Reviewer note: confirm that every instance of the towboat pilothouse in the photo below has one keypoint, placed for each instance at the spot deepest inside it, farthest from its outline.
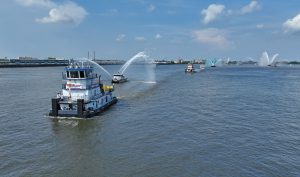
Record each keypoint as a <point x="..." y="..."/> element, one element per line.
<point x="118" y="78"/>
<point x="83" y="94"/>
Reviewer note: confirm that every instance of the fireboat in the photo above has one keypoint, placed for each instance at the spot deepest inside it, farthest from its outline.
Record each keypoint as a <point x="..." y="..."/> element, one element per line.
<point x="83" y="95"/>
<point x="119" y="78"/>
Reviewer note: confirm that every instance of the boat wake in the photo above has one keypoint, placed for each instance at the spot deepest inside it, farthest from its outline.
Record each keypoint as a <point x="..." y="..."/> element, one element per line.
<point x="121" y="97"/>
<point x="147" y="82"/>
<point x="61" y="118"/>
<point x="134" y="89"/>
<point x="71" y="123"/>
<point x="199" y="70"/>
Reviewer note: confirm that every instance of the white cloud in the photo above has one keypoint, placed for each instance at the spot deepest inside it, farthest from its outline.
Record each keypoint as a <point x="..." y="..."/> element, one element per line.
<point x="212" y="36"/>
<point x="69" y="12"/>
<point x="140" y="38"/>
<point x="121" y="37"/>
<point x="151" y="8"/>
<point x="260" y="26"/>
<point x="250" y="7"/>
<point x="292" y="25"/>
<point x="212" y="12"/>
<point x="43" y="3"/>
<point x="229" y="12"/>
<point x="158" y="36"/>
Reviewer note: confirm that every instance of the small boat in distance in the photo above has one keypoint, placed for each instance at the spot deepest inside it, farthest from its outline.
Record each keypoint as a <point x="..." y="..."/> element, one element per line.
<point x="272" y="65"/>
<point x="118" y="78"/>
<point x="83" y="94"/>
<point x="201" y="67"/>
<point x="190" y="68"/>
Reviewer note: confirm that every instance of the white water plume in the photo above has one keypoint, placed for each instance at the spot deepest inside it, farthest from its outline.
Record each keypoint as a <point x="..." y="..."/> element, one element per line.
<point x="228" y="60"/>
<point x="265" y="60"/>
<point x="150" y="67"/>
<point x="142" y="77"/>
<point x="213" y="62"/>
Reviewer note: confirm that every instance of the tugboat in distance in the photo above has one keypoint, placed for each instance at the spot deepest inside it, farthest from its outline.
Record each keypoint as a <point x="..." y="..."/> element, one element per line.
<point x="202" y="68"/>
<point x="272" y="65"/>
<point x="118" y="78"/>
<point x="83" y="94"/>
<point x="190" y="68"/>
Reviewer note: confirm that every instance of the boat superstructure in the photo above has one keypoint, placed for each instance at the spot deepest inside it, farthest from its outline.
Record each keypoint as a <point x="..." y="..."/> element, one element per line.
<point x="190" y="68"/>
<point x="118" y="78"/>
<point x="83" y="94"/>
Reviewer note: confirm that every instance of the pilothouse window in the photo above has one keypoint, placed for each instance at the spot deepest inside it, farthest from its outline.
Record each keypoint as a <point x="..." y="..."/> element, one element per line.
<point x="68" y="74"/>
<point x="81" y="74"/>
<point x="74" y="74"/>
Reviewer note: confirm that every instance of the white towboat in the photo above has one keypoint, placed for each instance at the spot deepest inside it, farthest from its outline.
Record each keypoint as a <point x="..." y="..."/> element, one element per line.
<point x="190" y="68"/>
<point x="83" y="95"/>
<point x="118" y="78"/>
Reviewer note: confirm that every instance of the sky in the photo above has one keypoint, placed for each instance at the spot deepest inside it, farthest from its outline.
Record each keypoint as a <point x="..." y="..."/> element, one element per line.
<point x="164" y="29"/>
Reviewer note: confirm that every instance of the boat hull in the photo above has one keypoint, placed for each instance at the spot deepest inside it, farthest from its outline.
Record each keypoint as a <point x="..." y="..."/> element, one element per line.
<point x="119" y="81"/>
<point x="79" y="113"/>
<point x="190" y="71"/>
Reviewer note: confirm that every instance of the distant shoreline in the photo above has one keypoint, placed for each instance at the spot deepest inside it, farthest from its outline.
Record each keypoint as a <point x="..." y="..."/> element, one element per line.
<point x="11" y="65"/>
<point x="18" y="63"/>
<point x="29" y="65"/>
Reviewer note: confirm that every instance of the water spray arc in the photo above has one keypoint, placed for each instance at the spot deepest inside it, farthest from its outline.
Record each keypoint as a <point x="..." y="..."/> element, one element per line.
<point x="137" y="56"/>
<point x="265" y="60"/>
<point x="97" y="65"/>
<point x="212" y="62"/>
